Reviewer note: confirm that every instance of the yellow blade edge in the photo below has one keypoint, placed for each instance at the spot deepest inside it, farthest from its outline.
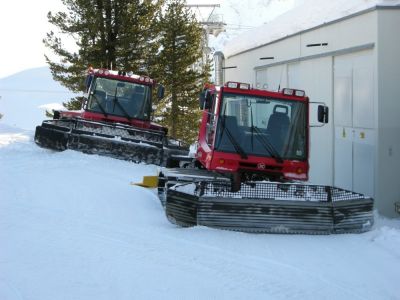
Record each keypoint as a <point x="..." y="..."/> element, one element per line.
<point x="148" y="182"/>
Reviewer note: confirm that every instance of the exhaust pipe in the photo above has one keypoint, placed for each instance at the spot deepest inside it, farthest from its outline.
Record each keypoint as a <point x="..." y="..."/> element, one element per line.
<point x="219" y="61"/>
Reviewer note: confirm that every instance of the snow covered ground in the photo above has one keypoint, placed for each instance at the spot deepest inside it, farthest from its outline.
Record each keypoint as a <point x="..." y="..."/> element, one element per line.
<point x="72" y="227"/>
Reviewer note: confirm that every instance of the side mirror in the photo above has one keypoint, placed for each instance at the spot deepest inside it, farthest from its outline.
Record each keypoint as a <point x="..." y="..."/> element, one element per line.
<point x="56" y="114"/>
<point x="323" y="114"/>
<point x="160" y="92"/>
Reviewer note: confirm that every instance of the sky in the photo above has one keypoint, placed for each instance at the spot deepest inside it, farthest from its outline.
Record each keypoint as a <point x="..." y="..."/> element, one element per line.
<point x="23" y="25"/>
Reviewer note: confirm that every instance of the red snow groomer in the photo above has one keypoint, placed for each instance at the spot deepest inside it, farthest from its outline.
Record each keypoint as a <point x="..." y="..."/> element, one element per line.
<point x="252" y="151"/>
<point x="115" y="120"/>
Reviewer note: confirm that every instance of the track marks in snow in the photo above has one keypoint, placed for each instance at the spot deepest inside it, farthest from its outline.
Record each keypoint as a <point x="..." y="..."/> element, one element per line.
<point x="8" y="291"/>
<point x="268" y="276"/>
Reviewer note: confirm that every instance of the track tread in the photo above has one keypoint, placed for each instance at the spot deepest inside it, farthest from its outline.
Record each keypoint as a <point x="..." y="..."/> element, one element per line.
<point x="258" y="215"/>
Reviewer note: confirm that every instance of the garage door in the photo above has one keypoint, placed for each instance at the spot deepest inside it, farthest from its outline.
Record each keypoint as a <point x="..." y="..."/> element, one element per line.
<point x="355" y="136"/>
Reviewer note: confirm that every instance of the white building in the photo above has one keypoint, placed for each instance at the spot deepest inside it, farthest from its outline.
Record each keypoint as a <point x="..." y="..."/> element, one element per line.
<point x="346" y="54"/>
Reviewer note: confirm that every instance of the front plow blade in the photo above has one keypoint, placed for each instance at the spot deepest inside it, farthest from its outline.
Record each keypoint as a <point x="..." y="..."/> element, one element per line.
<point x="270" y="208"/>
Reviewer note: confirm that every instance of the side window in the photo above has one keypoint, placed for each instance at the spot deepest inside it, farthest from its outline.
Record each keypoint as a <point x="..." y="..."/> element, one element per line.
<point x="211" y="121"/>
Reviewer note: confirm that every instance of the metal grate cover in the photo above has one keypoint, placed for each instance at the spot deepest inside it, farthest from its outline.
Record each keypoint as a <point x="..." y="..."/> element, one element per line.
<point x="268" y="207"/>
<point x="277" y="191"/>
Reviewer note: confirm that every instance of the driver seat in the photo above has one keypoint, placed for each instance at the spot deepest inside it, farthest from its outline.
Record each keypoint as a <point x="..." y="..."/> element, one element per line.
<point x="278" y="126"/>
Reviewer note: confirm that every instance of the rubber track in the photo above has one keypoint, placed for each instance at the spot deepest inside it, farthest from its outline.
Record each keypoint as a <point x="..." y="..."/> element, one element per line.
<point x="270" y="216"/>
<point x="121" y="142"/>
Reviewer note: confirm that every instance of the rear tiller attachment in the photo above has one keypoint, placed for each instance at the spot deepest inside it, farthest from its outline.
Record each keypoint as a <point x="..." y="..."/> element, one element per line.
<point x="268" y="207"/>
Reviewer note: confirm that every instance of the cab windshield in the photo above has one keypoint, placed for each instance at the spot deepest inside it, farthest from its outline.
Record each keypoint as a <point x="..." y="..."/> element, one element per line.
<point x="124" y="99"/>
<point x="252" y="125"/>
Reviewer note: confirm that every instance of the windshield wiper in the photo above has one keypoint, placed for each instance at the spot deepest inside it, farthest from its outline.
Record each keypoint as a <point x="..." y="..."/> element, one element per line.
<point x="103" y="110"/>
<point x="116" y="101"/>
<point x="235" y="144"/>
<point x="264" y="141"/>
<point x="267" y="144"/>
<point x="239" y="150"/>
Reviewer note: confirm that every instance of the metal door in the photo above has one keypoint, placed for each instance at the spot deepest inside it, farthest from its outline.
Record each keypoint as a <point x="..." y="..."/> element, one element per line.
<point x="354" y="149"/>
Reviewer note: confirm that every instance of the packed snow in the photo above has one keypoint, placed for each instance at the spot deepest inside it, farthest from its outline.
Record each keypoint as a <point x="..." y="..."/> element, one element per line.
<point x="73" y="227"/>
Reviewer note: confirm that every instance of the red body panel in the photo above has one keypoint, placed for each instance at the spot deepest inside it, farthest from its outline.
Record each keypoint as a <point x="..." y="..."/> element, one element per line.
<point x="98" y="117"/>
<point x="225" y="162"/>
<point x="136" y="79"/>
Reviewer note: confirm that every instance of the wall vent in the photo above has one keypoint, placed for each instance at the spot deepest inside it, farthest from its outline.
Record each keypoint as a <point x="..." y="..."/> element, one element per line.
<point x="317" y="45"/>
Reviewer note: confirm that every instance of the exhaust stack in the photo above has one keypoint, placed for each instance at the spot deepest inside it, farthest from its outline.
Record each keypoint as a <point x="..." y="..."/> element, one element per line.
<point x="219" y="61"/>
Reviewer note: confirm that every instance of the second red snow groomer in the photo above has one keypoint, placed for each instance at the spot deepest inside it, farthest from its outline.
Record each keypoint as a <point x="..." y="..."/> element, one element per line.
<point x="255" y="134"/>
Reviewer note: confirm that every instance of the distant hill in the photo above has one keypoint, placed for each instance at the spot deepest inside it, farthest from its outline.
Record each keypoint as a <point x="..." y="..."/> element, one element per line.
<point x="37" y="79"/>
<point x="23" y="93"/>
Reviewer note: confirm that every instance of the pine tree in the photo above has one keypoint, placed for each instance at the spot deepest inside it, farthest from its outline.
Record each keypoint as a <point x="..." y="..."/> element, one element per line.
<point x="178" y="67"/>
<point x="114" y="34"/>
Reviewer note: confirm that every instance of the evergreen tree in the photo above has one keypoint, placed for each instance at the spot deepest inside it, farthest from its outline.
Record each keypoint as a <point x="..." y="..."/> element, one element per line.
<point x="113" y="34"/>
<point x="179" y="70"/>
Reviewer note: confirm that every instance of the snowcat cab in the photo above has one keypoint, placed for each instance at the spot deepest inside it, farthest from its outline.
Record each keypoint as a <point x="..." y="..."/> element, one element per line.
<point x="120" y="97"/>
<point x="255" y="134"/>
<point x="115" y="120"/>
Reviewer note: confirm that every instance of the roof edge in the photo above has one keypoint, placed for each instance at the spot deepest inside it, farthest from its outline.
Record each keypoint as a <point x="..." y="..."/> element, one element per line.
<point x="362" y="12"/>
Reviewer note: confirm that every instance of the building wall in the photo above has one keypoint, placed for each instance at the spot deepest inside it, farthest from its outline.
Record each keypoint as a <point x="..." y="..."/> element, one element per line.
<point x="347" y="33"/>
<point x="315" y="77"/>
<point x="357" y="74"/>
<point x="388" y="179"/>
<point x="312" y="69"/>
<point x="247" y="61"/>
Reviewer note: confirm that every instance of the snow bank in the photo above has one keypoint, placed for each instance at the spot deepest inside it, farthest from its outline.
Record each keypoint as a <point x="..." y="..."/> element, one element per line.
<point x="305" y="15"/>
<point x="52" y="106"/>
<point x="12" y="135"/>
